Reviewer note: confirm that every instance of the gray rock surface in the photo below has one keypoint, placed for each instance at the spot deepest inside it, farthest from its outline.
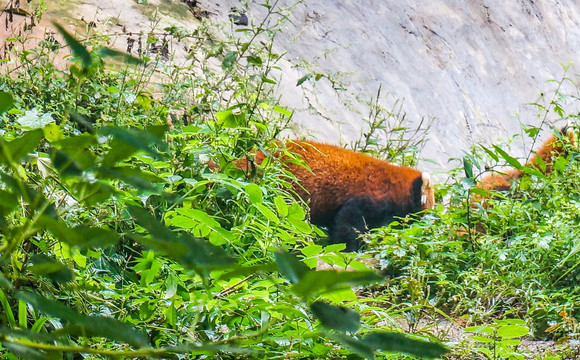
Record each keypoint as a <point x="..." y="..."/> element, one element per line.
<point x="472" y="66"/>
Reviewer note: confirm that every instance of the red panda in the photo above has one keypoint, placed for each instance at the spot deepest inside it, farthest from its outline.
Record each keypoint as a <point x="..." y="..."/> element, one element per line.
<point x="350" y="192"/>
<point x="552" y="148"/>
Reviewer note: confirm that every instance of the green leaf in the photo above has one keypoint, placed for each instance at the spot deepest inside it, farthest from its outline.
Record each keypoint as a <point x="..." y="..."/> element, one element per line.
<point x="50" y="268"/>
<point x="52" y="133"/>
<point x="81" y="236"/>
<point x="192" y="252"/>
<point x="128" y="141"/>
<point x="7" y="309"/>
<point x="254" y="193"/>
<point x="83" y="325"/>
<point x="283" y="111"/>
<point x="119" y="55"/>
<point x="336" y="317"/>
<point x="512" y="331"/>
<point x="304" y="78"/>
<point x="268" y="214"/>
<point x="281" y="206"/>
<point x="230" y="119"/>
<point x="290" y="267"/>
<point x="311" y="250"/>
<point x="467" y="167"/>
<point x="140" y="179"/>
<point x="314" y="283"/>
<point x="355" y="345"/>
<point x="19" y="148"/>
<point x="6" y="101"/>
<point x="490" y="153"/>
<point x="229" y="60"/>
<point x="268" y="80"/>
<point x="482" y="339"/>
<point x="255" y="60"/>
<point x="33" y="120"/>
<point x="9" y="202"/>
<point x="79" y="51"/>
<point x="390" y="341"/>
<point x="65" y="164"/>
<point x="485" y="329"/>
<point x="468" y="183"/>
<point x="510" y="160"/>
<point x="25" y="352"/>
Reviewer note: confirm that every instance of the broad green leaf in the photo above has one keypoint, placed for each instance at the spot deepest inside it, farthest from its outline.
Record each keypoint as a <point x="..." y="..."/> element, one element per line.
<point x="49" y="307"/>
<point x="236" y="271"/>
<point x="108" y="328"/>
<point x="171" y="314"/>
<point x="50" y="268"/>
<point x="268" y="214"/>
<point x="254" y="193"/>
<point x="52" y="133"/>
<point x="119" y="55"/>
<point x="467" y="183"/>
<point x="512" y="331"/>
<point x="200" y="216"/>
<point x="390" y="341"/>
<point x="79" y="51"/>
<point x="25" y="352"/>
<point x="336" y="317"/>
<point x="290" y="267"/>
<point x="229" y="60"/>
<point x="126" y="142"/>
<point x="318" y="282"/>
<point x="281" y="206"/>
<point x="485" y="329"/>
<point x="170" y="287"/>
<point x="354" y="344"/>
<point x="311" y="250"/>
<point x="232" y="118"/>
<point x="509" y="342"/>
<point x="140" y="179"/>
<point x="65" y="164"/>
<point x="254" y="60"/>
<point x="18" y="148"/>
<point x="301" y="225"/>
<point x="560" y="164"/>
<point x="81" y="236"/>
<point x="9" y="202"/>
<point x="6" y="101"/>
<point x="191" y="252"/>
<point x="482" y="339"/>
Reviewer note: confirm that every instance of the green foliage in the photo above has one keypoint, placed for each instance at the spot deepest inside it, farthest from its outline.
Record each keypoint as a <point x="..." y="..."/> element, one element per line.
<point x="513" y="254"/>
<point x="499" y="340"/>
<point x="117" y="240"/>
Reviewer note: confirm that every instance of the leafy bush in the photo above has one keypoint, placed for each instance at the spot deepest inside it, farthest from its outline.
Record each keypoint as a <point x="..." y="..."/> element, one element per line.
<point x="117" y="240"/>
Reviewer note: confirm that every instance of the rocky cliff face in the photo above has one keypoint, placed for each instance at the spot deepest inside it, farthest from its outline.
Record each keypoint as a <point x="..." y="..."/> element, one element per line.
<point x="472" y="66"/>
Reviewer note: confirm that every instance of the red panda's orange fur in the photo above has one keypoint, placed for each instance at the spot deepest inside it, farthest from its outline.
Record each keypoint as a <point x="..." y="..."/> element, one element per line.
<point x="336" y="178"/>
<point x="550" y="150"/>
